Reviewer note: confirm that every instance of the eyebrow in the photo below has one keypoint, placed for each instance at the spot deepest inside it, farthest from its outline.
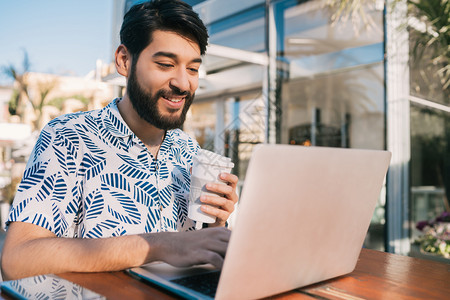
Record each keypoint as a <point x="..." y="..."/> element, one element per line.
<point x="173" y="56"/>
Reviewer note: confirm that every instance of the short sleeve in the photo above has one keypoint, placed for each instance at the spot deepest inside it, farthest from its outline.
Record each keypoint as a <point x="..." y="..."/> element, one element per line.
<point x="48" y="194"/>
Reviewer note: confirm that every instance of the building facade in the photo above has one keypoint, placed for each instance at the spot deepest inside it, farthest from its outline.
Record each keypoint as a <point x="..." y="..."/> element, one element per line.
<point x="296" y="72"/>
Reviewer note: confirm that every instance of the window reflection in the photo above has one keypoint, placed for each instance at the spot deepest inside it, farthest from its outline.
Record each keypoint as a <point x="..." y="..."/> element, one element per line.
<point x="332" y="88"/>
<point x="335" y="110"/>
<point x="429" y="172"/>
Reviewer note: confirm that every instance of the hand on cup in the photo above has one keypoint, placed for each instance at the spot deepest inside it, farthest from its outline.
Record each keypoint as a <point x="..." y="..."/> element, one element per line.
<point x="220" y="206"/>
<point x="213" y="189"/>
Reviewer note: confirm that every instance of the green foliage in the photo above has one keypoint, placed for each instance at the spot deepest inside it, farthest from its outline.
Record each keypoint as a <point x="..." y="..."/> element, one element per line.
<point x="13" y="102"/>
<point x="435" y="39"/>
<point x="85" y="100"/>
<point x="431" y="244"/>
<point x="342" y="10"/>
<point x="436" y="235"/>
<point x="59" y="101"/>
<point x="12" y="72"/>
<point x="9" y="191"/>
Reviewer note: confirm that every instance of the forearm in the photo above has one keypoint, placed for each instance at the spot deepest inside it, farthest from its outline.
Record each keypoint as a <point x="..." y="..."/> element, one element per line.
<point x="57" y="255"/>
<point x="31" y="250"/>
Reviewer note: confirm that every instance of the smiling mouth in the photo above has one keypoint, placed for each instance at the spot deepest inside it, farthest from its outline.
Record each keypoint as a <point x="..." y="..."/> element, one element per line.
<point x="174" y="100"/>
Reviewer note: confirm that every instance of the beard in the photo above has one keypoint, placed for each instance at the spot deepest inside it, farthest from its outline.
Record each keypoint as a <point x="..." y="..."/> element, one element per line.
<point x="146" y="104"/>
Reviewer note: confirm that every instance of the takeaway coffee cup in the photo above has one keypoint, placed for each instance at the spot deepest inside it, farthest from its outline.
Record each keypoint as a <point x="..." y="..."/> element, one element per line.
<point x="206" y="168"/>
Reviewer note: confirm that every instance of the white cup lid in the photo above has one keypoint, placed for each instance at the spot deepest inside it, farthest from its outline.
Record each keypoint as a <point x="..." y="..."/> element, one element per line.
<point x="211" y="158"/>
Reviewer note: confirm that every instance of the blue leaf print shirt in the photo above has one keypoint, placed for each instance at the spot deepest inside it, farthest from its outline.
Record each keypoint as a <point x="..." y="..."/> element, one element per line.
<point x="90" y="176"/>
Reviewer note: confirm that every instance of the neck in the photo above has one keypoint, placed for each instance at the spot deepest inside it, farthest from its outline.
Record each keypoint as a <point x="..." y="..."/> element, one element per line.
<point x="151" y="136"/>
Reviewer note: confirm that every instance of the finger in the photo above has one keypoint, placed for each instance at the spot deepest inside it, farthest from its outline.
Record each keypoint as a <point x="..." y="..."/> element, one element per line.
<point x="215" y="259"/>
<point x="221" y="214"/>
<point x="232" y="181"/>
<point x="229" y="178"/>
<point x="217" y="246"/>
<point x="219" y="188"/>
<point x="221" y="233"/>
<point x="216" y="239"/>
<point x="215" y="200"/>
<point x="219" y="202"/>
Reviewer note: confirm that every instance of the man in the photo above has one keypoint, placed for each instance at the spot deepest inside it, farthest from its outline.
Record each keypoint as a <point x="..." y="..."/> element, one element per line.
<point x="107" y="190"/>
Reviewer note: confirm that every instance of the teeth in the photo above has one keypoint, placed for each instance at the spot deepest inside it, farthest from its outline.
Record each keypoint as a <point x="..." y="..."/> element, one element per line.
<point x="175" y="100"/>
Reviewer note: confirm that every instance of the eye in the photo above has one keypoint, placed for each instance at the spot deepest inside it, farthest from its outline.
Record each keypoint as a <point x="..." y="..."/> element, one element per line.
<point x="164" y="66"/>
<point x="194" y="70"/>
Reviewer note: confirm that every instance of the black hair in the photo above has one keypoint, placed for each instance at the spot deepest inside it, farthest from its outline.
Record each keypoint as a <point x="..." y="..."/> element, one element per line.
<point x="143" y="19"/>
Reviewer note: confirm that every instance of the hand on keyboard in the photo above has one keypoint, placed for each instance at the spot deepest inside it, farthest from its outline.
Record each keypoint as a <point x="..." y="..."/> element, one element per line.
<point x="183" y="249"/>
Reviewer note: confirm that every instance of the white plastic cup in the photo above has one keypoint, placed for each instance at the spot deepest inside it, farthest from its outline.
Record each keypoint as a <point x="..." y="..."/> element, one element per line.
<point x="206" y="168"/>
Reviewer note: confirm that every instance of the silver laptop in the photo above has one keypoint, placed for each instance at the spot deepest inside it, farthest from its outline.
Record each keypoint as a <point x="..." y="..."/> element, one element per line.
<point x="302" y="218"/>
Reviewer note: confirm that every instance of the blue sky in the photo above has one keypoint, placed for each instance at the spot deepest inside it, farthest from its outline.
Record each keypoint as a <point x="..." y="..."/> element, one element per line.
<point x="61" y="37"/>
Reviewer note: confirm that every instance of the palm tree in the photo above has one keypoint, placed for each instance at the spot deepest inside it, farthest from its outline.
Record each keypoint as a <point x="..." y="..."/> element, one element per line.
<point x="16" y="104"/>
<point x="22" y="93"/>
<point x="44" y="89"/>
<point x="429" y="25"/>
<point x="342" y="10"/>
<point x="429" y="22"/>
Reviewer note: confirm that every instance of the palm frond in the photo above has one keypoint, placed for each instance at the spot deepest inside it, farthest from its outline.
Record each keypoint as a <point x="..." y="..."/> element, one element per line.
<point x="434" y="41"/>
<point x="343" y="10"/>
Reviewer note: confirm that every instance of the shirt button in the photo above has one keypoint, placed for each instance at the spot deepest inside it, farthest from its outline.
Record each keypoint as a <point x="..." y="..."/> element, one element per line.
<point x="160" y="208"/>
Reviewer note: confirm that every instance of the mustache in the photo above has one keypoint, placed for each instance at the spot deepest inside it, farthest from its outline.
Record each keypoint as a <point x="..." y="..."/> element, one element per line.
<point x="177" y="92"/>
<point x="174" y="91"/>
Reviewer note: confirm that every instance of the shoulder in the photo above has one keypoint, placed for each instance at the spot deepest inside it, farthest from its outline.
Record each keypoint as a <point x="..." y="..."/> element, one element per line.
<point x="80" y="124"/>
<point x="72" y="119"/>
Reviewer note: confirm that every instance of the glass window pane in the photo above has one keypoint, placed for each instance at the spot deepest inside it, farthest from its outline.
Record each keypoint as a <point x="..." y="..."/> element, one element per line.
<point x="430" y="165"/>
<point x="331" y="90"/>
<point x="244" y="31"/>
<point x="430" y="135"/>
<point x="335" y="110"/>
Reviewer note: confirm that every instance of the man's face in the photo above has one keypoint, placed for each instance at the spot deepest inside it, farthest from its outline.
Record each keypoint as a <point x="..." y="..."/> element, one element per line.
<point x="162" y="82"/>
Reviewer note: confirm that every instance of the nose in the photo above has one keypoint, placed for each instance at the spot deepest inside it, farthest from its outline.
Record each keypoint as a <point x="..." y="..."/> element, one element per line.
<point x="180" y="81"/>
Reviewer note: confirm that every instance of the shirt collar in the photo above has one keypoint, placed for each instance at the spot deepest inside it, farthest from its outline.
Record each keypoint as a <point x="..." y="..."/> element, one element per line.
<point x="114" y="122"/>
<point x="167" y="142"/>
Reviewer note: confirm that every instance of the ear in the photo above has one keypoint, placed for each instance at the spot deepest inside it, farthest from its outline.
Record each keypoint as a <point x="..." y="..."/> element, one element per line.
<point x="123" y="60"/>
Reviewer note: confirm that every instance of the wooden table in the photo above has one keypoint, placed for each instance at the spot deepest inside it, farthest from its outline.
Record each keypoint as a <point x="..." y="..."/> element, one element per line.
<point x="377" y="275"/>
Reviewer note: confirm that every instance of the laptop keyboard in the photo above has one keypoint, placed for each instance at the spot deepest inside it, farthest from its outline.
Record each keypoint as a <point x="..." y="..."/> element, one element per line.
<point x="205" y="283"/>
